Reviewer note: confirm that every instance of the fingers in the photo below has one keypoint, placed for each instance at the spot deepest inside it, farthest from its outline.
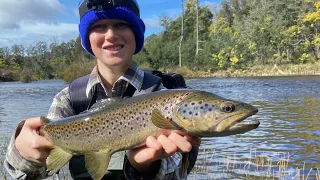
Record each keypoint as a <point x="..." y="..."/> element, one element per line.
<point x="34" y="123"/>
<point x="182" y="144"/>
<point x="152" y="142"/>
<point x="195" y="141"/>
<point x="168" y="146"/>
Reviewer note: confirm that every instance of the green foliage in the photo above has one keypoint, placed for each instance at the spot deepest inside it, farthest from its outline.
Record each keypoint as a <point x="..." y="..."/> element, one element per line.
<point x="75" y="70"/>
<point x="234" y="37"/>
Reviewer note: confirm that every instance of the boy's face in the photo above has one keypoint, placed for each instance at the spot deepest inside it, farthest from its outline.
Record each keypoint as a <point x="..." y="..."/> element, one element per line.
<point x="112" y="42"/>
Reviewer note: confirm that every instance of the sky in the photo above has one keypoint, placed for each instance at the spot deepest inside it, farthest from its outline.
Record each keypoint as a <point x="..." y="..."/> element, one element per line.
<point x="27" y="22"/>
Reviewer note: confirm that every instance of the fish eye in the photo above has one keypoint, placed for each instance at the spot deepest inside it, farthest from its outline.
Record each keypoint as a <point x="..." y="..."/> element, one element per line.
<point x="227" y="107"/>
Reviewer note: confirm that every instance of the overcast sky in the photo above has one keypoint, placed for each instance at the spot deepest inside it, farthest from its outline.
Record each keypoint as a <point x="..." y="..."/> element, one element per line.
<point x="26" y="22"/>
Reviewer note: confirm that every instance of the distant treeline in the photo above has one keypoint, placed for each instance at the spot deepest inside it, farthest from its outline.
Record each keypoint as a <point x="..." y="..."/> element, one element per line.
<point x="237" y="34"/>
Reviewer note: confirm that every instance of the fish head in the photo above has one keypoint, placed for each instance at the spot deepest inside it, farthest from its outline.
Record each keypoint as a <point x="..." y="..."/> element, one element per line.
<point x="204" y="114"/>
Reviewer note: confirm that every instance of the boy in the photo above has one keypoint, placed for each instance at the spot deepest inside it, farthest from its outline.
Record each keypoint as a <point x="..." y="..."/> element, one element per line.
<point x="113" y="32"/>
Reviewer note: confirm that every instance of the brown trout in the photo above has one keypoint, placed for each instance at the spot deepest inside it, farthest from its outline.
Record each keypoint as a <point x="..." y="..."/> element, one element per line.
<point x="120" y="124"/>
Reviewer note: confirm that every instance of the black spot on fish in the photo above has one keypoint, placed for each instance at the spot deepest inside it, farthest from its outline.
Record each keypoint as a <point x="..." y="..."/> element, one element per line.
<point x="131" y="128"/>
<point x="109" y="132"/>
<point x="206" y="104"/>
<point x="120" y="123"/>
<point x="210" y="109"/>
<point x="201" y="107"/>
<point x="193" y="103"/>
<point x="184" y="111"/>
<point x="190" y="112"/>
<point x="186" y="105"/>
<point x="196" y="114"/>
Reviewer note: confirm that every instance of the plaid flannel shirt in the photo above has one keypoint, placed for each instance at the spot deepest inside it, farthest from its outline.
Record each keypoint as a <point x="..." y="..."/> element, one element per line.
<point x="20" y="168"/>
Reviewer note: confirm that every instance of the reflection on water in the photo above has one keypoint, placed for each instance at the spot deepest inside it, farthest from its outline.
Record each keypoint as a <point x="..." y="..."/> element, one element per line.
<point x="287" y="143"/>
<point x="285" y="146"/>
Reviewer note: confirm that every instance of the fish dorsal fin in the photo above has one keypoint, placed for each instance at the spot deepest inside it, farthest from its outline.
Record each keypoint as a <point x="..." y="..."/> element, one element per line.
<point x="160" y="121"/>
<point x="57" y="159"/>
<point x="101" y="104"/>
<point x="97" y="164"/>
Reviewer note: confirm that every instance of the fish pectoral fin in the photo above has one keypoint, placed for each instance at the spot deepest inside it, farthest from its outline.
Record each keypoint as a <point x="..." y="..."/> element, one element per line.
<point x="97" y="164"/>
<point x="160" y="121"/>
<point x="184" y="164"/>
<point x="57" y="159"/>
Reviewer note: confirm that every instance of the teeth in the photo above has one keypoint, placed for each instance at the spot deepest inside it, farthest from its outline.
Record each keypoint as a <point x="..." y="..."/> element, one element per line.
<point x="114" y="48"/>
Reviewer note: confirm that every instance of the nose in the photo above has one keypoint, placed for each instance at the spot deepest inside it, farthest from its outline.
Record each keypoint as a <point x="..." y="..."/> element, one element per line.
<point x="110" y="34"/>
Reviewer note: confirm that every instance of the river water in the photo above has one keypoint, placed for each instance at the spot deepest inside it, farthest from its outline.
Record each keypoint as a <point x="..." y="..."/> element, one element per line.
<point x="285" y="146"/>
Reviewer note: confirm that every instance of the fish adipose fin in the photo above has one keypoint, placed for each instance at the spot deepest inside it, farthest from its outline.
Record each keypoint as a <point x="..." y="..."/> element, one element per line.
<point x="97" y="164"/>
<point x="57" y="159"/>
<point x="160" y="121"/>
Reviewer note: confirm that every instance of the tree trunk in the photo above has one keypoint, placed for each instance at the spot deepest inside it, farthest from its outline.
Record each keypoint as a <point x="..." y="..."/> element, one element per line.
<point x="181" y="36"/>
<point x="197" y="27"/>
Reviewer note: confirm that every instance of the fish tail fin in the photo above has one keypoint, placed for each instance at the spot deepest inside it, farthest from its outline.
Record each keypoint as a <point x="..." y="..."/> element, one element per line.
<point x="97" y="164"/>
<point x="57" y="159"/>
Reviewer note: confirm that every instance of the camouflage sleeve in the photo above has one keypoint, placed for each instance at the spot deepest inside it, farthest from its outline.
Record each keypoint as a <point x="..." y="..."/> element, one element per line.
<point x="15" y="164"/>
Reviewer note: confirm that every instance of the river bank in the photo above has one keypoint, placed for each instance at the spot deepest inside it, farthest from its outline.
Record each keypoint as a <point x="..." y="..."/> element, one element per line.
<point x="262" y="70"/>
<point x="259" y="70"/>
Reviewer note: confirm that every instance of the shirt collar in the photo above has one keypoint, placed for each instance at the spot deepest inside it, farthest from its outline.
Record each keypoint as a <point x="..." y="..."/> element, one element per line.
<point x="134" y="75"/>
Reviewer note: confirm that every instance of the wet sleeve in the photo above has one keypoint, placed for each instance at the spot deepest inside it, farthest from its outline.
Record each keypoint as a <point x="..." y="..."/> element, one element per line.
<point x="15" y="164"/>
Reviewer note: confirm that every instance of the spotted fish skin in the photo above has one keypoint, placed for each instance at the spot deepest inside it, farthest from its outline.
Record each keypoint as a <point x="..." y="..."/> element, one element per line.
<point x="115" y="125"/>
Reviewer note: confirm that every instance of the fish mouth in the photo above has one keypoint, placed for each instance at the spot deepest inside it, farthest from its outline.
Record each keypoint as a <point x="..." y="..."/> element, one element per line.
<point x="231" y="127"/>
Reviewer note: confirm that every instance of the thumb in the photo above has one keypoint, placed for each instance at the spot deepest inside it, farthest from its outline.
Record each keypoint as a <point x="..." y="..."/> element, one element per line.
<point x="34" y="123"/>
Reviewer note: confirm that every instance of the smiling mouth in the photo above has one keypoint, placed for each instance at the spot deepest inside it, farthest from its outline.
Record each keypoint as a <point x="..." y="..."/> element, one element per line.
<point x="114" y="48"/>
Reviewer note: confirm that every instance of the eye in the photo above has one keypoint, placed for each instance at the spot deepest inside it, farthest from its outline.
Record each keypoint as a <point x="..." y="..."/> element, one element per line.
<point x="227" y="107"/>
<point x="99" y="27"/>
<point x="121" y="25"/>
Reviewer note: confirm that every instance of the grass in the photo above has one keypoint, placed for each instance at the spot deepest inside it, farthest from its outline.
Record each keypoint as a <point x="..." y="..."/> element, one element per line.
<point x="256" y="166"/>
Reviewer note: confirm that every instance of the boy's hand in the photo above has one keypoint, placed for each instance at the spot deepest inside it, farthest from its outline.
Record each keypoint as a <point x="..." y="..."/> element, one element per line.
<point x="30" y="144"/>
<point x="144" y="159"/>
